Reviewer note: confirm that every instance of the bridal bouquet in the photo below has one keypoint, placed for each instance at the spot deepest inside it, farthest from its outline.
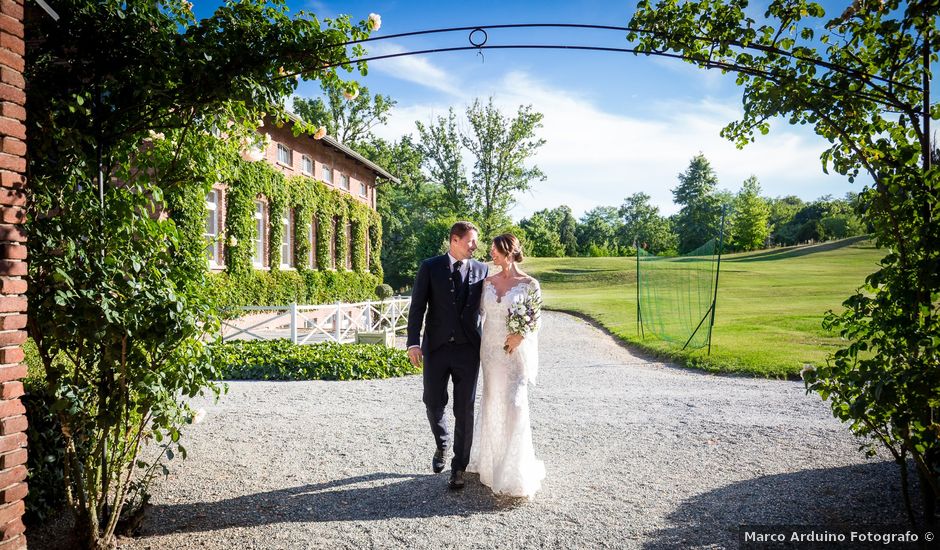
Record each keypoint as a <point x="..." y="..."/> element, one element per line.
<point x="524" y="315"/>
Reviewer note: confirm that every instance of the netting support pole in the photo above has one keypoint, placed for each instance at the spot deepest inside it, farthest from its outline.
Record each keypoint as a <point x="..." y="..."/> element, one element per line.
<point x="694" y="332"/>
<point x="639" y="315"/>
<point x="721" y="243"/>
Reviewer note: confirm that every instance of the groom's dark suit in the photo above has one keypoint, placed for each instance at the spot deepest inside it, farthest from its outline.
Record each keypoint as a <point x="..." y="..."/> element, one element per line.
<point x="451" y="346"/>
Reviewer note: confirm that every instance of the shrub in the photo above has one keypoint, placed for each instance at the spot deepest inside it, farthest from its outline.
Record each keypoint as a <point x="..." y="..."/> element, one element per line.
<point x="280" y="288"/>
<point x="46" y="444"/>
<point x="282" y="360"/>
<point x="384" y="292"/>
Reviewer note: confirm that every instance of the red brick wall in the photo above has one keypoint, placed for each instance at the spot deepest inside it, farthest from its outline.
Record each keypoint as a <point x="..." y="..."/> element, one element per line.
<point x="321" y="153"/>
<point x="12" y="273"/>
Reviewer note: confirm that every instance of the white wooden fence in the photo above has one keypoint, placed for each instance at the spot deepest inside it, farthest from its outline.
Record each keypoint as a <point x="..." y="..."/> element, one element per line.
<point x="304" y="324"/>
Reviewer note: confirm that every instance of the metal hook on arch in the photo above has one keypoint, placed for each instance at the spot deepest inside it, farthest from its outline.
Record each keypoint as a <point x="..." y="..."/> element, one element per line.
<point x="478" y="38"/>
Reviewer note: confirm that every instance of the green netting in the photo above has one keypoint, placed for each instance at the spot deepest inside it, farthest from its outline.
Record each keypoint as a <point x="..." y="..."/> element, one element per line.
<point x="675" y="294"/>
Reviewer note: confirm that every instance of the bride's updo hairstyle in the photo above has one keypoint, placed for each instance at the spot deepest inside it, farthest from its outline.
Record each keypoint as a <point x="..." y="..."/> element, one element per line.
<point x="508" y="245"/>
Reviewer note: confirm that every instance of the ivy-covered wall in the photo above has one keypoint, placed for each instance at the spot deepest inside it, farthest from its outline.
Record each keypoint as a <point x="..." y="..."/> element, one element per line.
<point x="242" y="284"/>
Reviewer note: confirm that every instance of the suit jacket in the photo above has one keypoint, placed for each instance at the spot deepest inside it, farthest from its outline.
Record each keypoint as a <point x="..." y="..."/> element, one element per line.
<point x="434" y="292"/>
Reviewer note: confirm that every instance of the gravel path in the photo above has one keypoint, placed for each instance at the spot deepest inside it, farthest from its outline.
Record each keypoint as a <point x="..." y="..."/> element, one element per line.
<point x="638" y="454"/>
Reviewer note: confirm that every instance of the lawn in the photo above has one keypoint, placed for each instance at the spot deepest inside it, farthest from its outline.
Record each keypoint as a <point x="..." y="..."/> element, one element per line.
<point x="770" y="303"/>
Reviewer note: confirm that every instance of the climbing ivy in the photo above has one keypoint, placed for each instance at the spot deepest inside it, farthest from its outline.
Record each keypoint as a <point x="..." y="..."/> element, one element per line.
<point x="243" y="284"/>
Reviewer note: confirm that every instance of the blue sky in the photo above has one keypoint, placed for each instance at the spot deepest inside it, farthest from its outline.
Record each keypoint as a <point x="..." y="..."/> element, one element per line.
<point x="615" y="123"/>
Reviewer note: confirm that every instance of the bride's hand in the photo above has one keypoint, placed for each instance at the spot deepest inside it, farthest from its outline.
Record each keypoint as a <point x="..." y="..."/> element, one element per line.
<point x="512" y="342"/>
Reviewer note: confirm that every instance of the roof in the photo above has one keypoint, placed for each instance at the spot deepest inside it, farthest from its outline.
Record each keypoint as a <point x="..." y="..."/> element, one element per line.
<point x="332" y="142"/>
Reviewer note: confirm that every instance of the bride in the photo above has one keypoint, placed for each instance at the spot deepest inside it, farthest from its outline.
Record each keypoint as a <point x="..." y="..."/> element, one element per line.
<point x="502" y="451"/>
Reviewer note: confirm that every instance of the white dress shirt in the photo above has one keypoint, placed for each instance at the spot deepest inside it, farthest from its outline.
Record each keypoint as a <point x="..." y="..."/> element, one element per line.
<point x="464" y="267"/>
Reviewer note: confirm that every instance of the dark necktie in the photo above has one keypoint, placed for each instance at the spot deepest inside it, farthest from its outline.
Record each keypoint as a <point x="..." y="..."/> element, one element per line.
<point x="458" y="279"/>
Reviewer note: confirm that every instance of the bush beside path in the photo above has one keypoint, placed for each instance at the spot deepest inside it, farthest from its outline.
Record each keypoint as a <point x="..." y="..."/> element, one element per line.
<point x="638" y="453"/>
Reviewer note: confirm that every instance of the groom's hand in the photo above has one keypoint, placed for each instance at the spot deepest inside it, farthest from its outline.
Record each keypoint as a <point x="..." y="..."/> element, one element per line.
<point x="416" y="357"/>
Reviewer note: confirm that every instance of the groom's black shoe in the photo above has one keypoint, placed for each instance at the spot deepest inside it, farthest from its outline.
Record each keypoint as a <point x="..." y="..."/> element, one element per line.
<point x="437" y="463"/>
<point x="456" y="480"/>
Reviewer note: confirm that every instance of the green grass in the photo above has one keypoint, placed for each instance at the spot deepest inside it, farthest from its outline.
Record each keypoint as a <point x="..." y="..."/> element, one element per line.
<point x="770" y="303"/>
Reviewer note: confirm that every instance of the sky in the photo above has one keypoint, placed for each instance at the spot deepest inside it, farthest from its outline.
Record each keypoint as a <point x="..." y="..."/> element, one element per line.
<point x="614" y="123"/>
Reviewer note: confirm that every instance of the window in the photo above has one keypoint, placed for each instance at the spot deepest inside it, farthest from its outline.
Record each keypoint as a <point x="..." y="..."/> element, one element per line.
<point x="306" y="165"/>
<point x="363" y="190"/>
<point x="327" y="174"/>
<point x="213" y="250"/>
<point x="287" y="238"/>
<point x="284" y="155"/>
<point x="344" y="181"/>
<point x="258" y="258"/>
<point x="312" y="237"/>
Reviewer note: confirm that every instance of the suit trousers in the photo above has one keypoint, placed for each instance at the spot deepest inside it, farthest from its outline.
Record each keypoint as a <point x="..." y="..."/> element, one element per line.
<point x="460" y="362"/>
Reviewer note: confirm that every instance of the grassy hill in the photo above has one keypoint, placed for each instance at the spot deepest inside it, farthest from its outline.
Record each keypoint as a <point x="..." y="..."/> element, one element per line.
<point x="770" y="303"/>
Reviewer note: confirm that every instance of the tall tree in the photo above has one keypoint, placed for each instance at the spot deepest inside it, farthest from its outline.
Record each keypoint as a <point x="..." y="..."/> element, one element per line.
<point x="749" y="224"/>
<point x="567" y="228"/>
<point x="408" y="209"/>
<point x="862" y="81"/>
<point x="501" y="147"/>
<point x="349" y="112"/>
<point x="135" y="91"/>
<point x="644" y="226"/>
<point x="699" y="219"/>
<point x="440" y="147"/>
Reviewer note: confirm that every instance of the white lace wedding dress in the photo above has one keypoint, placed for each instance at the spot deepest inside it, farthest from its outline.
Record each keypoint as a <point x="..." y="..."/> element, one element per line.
<point x="502" y="451"/>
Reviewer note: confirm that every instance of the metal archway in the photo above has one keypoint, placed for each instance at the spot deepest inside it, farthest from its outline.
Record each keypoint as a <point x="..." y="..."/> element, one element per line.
<point x="478" y="40"/>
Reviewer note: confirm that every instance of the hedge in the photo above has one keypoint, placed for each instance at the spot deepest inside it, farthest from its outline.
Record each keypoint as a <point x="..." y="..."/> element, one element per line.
<point x="282" y="360"/>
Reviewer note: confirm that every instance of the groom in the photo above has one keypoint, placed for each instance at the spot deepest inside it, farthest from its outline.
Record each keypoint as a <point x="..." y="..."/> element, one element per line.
<point x="448" y="287"/>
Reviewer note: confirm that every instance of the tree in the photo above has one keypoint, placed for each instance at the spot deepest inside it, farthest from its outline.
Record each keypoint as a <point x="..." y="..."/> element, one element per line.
<point x="598" y="230"/>
<point x="643" y="225"/>
<point x="749" y="227"/>
<point x="440" y="147"/>
<point x="349" y="111"/>
<point x="542" y="231"/>
<point x="862" y="81"/>
<point x="135" y="93"/>
<point x="407" y="209"/>
<point x="567" y="228"/>
<point x="841" y="220"/>
<point x="501" y="146"/>
<point x="558" y="226"/>
<point x="782" y="212"/>
<point x="699" y="219"/>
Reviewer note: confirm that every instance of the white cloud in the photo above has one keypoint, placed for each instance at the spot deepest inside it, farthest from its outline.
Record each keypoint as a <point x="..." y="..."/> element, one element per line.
<point x="597" y="158"/>
<point x="412" y="68"/>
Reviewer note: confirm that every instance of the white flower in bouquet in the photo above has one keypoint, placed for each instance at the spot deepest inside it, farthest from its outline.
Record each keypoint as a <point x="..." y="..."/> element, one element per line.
<point x="524" y="315"/>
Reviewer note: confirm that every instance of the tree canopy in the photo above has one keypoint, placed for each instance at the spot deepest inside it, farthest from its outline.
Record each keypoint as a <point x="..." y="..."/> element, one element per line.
<point x="861" y="79"/>
<point x="137" y="109"/>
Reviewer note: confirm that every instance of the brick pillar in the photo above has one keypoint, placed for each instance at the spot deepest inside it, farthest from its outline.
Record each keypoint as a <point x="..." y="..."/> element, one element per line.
<point x="12" y="273"/>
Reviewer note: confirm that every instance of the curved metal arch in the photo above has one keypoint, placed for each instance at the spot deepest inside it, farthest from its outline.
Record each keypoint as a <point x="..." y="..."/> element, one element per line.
<point x="746" y="46"/>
